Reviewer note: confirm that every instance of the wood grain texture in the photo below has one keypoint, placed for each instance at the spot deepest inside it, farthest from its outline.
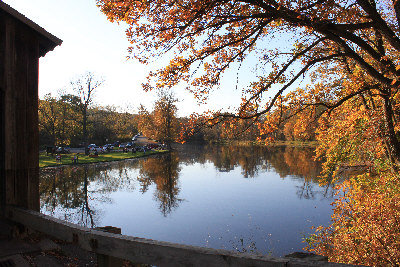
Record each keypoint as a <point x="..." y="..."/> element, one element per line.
<point x="21" y="46"/>
<point x="141" y="250"/>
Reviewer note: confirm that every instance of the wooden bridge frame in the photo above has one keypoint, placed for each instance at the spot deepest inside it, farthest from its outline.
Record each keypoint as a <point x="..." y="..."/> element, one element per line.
<point x="22" y="43"/>
<point x="140" y="250"/>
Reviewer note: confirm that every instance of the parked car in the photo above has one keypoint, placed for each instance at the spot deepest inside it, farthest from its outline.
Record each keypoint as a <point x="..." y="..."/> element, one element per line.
<point x="91" y="145"/>
<point x="153" y="146"/>
<point x="129" y="145"/>
<point x="63" y="150"/>
<point x="108" y="147"/>
<point x="123" y="145"/>
<point x="116" y="143"/>
<point x="96" y="148"/>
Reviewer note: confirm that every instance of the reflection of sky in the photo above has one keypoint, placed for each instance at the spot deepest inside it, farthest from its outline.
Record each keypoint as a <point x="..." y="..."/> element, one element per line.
<point x="218" y="209"/>
<point x="228" y="207"/>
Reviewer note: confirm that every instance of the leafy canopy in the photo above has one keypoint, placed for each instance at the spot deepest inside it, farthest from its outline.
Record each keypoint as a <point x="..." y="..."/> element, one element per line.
<point x="350" y="46"/>
<point x="350" y="49"/>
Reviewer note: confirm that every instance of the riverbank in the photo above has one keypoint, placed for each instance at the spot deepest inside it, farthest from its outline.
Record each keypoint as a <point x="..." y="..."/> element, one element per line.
<point x="68" y="159"/>
<point x="293" y="143"/>
<point x="275" y="143"/>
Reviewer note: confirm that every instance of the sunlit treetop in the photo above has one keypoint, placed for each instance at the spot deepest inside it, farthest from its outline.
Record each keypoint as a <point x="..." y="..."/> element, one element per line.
<point x="215" y="34"/>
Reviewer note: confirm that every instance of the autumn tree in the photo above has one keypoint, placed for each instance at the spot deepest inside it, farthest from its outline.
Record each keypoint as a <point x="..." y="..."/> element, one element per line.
<point x="165" y="117"/>
<point x="84" y="87"/>
<point x="358" y="39"/>
<point x="299" y="128"/>
<point x="124" y="124"/>
<point x="71" y="117"/>
<point x="160" y="124"/>
<point x="48" y="118"/>
<point x="107" y="123"/>
<point x="350" y="50"/>
<point x="200" y="128"/>
<point x="57" y="120"/>
<point x="60" y="122"/>
<point x="145" y="122"/>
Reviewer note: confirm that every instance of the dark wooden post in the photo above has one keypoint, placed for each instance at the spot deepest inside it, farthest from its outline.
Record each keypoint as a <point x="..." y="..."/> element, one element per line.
<point x="2" y="151"/>
<point x="105" y="260"/>
<point x="2" y="117"/>
<point x="22" y="43"/>
<point x="2" y="121"/>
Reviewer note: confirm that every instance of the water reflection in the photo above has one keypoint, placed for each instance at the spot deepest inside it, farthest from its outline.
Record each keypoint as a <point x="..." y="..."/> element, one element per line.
<point x="208" y="190"/>
<point x="73" y="188"/>
<point x="289" y="162"/>
<point x="164" y="172"/>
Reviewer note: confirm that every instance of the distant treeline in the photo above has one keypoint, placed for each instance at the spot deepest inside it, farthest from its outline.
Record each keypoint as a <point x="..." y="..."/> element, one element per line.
<point x="225" y="127"/>
<point x="61" y="124"/>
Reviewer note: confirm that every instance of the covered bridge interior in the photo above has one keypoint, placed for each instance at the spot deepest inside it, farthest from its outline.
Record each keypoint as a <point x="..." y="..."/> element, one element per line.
<point x="22" y="43"/>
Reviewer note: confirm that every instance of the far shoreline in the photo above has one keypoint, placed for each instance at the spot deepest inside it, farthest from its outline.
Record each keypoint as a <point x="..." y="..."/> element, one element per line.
<point x="270" y="144"/>
<point x="46" y="161"/>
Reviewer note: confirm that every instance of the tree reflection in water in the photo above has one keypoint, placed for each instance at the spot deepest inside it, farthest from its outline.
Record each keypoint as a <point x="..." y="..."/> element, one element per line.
<point x="289" y="162"/>
<point x="70" y="193"/>
<point x="78" y="192"/>
<point x="164" y="172"/>
<point x="71" y="190"/>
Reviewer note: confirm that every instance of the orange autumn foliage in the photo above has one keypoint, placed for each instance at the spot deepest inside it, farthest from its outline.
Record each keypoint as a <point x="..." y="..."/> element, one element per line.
<point x="349" y="48"/>
<point x="365" y="226"/>
<point x="161" y="123"/>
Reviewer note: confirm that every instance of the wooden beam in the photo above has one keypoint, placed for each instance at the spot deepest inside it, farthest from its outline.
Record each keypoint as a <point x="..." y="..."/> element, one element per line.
<point x="2" y="118"/>
<point x="140" y="250"/>
<point x="9" y="87"/>
<point x="47" y="41"/>
<point x="19" y="51"/>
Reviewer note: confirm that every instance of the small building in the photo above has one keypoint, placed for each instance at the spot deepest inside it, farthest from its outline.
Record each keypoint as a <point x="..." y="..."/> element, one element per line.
<point x="22" y="43"/>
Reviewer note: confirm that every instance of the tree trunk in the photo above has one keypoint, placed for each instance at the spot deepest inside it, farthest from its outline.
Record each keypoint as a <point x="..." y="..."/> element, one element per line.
<point x="84" y="122"/>
<point x="392" y="143"/>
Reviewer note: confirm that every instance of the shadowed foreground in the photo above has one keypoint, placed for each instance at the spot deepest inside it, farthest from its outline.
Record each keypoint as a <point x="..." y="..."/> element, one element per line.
<point x="36" y="249"/>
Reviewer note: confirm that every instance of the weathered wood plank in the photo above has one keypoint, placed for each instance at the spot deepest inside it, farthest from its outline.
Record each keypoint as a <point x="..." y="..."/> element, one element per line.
<point x="10" y="133"/>
<point x="2" y="116"/>
<point x="19" y="51"/>
<point x="20" y="110"/>
<point x="31" y="154"/>
<point x="148" y="251"/>
<point x="2" y="155"/>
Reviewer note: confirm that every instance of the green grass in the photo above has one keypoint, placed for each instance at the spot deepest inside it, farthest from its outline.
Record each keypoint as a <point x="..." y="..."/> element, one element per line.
<point x="66" y="159"/>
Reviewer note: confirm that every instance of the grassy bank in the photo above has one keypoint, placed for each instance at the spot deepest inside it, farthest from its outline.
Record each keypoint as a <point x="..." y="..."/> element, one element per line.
<point x="66" y="159"/>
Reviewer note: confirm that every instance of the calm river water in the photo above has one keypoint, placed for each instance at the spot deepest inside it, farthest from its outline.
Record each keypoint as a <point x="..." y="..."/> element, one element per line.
<point x="242" y="198"/>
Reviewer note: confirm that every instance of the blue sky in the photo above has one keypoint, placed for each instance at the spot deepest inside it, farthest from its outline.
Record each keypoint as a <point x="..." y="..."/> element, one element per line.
<point x="91" y="43"/>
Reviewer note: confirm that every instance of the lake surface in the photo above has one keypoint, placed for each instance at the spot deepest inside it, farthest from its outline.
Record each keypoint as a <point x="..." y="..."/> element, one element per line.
<point x="244" y="198"/>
